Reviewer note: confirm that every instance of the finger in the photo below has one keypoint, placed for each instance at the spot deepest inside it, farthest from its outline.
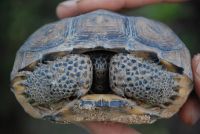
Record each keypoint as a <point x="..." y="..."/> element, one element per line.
<point x="108" y="128"/>
<point x="75" y="7"/>
<point x="190" y="112"/>
<point x="196" y="73"/>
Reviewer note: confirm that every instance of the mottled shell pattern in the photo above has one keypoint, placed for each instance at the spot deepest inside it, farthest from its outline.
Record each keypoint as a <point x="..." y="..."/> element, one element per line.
<point x="104" y="29"/>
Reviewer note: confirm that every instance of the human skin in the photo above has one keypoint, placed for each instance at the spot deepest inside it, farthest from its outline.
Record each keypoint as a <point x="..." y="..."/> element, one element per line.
<point x="189" y="113"/>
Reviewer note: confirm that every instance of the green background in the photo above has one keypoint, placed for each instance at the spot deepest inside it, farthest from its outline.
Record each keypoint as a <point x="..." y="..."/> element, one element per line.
<point x="19" y="18"/>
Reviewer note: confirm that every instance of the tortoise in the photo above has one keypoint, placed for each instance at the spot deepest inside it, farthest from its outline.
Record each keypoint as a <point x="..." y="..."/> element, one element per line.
<point x="102" y="66"/>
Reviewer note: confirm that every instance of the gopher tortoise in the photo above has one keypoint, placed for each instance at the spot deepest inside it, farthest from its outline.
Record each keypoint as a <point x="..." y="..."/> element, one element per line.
<point x="102" y="66"/>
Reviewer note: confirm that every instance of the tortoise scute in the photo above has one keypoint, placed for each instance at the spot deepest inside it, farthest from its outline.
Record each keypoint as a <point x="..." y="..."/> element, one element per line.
<point x="98" y="30"/>
<point x="156" y="34"/>
<point x="47" y="37"/>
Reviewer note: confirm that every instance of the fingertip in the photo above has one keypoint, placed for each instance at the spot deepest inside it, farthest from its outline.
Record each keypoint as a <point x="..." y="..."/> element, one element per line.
<point x="67" y="9"/>
<point x="196" y="73"/>
<point x="196" y="60"/>
<point x="59" y="11"/>
<point x="190" y="112"/>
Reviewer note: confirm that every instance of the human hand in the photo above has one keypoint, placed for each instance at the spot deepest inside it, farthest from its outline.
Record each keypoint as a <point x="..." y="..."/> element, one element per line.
<point x="189" y="113"/>
<point x="76" y="7"/>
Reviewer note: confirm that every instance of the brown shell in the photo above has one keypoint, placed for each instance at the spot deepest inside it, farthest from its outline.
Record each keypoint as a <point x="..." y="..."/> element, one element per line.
<point x="105" y="30"/>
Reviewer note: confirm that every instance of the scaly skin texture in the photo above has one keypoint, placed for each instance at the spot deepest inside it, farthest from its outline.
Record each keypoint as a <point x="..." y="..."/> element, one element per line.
<point x="57" y="89"/>
<point x="143" y="80"/>
<point x="69" y="76"/>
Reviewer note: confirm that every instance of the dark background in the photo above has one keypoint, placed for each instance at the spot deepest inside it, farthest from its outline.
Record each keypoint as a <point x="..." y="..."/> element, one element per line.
<point x="19" y="18"/>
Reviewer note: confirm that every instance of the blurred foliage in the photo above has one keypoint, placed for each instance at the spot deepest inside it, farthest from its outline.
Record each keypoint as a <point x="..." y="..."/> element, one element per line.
<point x="20" y="18"/>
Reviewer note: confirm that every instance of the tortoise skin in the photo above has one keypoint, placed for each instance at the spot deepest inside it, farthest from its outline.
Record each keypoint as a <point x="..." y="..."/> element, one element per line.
<point x="107" y="30"/>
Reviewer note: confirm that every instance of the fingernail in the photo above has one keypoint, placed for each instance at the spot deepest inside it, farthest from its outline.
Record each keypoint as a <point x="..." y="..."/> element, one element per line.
<point x="197" y="61"/>
<point x="69" y="3"/>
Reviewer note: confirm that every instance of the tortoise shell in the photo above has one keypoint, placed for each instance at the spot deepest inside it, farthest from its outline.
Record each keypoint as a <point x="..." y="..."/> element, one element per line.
<point x="150" y="43"/>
